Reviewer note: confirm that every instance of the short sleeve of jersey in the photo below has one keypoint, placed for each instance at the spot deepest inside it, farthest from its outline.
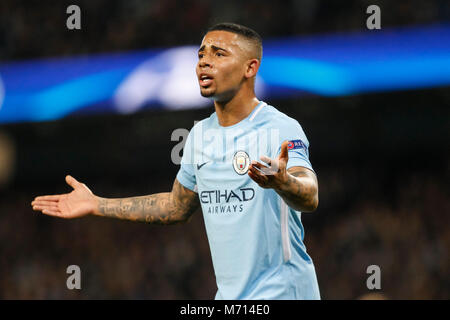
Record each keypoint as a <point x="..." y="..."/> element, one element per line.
<point x="186" y="174"/>
<point x="298" y="147"/>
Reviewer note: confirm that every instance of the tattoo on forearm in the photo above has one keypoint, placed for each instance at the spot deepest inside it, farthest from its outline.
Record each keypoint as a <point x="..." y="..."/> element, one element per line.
<point x="161" y="208"/>
<point x="299" y="194"/>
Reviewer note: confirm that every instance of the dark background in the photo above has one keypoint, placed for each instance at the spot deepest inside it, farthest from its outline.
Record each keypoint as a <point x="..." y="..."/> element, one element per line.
<point x="382" y="161"/>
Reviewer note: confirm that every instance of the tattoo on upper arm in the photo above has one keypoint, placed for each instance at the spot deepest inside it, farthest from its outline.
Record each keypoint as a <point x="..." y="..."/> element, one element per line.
<point x="186" y="201"/>
<point x="300" y="172"/>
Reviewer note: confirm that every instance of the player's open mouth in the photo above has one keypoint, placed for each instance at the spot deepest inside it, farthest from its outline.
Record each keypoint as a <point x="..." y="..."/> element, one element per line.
<point x="205" y="80"/>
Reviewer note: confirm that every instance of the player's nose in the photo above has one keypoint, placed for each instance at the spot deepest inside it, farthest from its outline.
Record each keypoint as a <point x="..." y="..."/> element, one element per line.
<point x="204" y="63"/>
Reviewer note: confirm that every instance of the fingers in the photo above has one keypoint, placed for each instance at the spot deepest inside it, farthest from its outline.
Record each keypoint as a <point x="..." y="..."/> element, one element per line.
<point x="48" y="198"/>
<point x="45" y="207"/>
<point x="71" y="181"/>
<point x="261" y="169"/>
<point x="48" y="209"/>
<point x="258" y="165"/>
<point x="256" y="175"/>
<point x="266" y="159"/>
<point x="273" y="163"/>
<point x="52" y="212"/>
<point x="284" y="151"/>
<point x="44" y="203"/>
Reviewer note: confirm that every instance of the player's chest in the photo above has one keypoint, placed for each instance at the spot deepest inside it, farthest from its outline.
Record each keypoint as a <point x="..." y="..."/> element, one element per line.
<point x="227" y="157"/>
<point x="221" y="155"/>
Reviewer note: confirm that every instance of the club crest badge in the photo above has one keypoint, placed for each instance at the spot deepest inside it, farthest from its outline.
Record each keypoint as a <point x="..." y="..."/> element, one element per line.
<point x="241" y="162"/>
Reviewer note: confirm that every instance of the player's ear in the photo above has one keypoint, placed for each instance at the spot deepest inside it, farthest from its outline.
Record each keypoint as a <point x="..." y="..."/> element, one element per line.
<point x="252" y="67"/>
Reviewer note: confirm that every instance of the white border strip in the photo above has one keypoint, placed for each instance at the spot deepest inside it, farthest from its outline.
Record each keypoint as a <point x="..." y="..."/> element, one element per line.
<point x="285" y="231"/>
<point x="257" y="110"/>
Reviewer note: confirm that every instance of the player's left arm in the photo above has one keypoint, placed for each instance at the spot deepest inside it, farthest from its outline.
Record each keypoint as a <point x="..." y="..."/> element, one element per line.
<point x="297" y="185"/>
<point x="301" y="190"/>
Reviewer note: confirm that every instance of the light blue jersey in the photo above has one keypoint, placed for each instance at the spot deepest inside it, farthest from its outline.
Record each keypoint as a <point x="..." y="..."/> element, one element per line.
<point x="256" y="240"/>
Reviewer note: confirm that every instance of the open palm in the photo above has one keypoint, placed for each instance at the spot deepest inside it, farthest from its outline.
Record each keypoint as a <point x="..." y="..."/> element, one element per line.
<point x="274" y="174"/>
<point x="80" y="202"/>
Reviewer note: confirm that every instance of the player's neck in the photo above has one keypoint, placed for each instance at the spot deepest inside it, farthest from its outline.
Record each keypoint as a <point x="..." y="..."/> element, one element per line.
<point x="236" y="109"/>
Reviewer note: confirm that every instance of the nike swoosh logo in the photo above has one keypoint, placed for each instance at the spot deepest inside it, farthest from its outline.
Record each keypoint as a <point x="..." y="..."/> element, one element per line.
<point x="201" y="165"/>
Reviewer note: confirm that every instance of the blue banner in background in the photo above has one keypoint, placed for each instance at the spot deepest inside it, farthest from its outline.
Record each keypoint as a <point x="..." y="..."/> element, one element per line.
<point x="325" y="65"/>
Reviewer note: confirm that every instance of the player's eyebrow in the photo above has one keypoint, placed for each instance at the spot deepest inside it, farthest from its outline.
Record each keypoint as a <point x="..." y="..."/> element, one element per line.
<point x="215" y="48"/>
<point x="218" y="48"/>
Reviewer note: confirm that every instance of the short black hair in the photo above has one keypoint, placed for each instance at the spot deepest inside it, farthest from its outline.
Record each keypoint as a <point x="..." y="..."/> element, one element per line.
<point x="244" y="31"/>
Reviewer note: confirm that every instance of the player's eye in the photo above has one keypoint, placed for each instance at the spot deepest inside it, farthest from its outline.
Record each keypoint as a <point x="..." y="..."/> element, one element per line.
<point x="200" y="55"/>
<point x="219" y="54"/>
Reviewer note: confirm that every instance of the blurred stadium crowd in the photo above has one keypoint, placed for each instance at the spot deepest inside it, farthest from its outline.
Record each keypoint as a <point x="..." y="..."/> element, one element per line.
<point x="382" y="161"/>
<point x="134" y="24"/>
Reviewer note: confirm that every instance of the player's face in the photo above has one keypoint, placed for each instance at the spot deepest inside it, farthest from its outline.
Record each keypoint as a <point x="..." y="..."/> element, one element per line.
<point x="221" y="65"/>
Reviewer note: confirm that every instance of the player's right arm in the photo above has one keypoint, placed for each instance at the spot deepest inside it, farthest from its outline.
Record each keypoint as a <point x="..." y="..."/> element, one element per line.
<point x="159" y="208"/>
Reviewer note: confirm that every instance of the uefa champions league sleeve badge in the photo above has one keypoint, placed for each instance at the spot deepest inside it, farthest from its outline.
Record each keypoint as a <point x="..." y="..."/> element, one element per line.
<point x="241" y="162"/>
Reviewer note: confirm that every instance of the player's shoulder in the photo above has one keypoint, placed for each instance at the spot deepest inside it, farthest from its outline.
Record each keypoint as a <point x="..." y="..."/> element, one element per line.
<point x="279" y="118"/>
<point x="288" y="127"/>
